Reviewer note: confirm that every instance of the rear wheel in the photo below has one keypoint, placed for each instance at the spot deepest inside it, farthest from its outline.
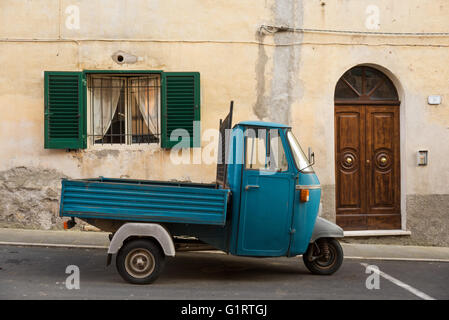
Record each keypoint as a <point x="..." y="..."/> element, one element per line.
<point x="324" y="256"/>
<point x="140" y="261"/>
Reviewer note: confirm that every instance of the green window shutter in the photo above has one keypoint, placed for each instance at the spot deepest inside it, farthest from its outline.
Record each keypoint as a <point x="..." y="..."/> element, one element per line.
<point x="65" y="115"/>
<point x="180" y="106"/>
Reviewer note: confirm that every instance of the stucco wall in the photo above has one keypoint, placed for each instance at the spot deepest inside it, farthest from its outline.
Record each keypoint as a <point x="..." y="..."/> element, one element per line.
<point x="194" y="42"/>
<point x="287" y="77"/>
<point x="217" y="39"/>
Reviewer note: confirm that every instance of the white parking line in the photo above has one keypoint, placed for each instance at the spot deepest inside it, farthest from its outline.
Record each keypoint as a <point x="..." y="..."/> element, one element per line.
<point x="399" y="283"/>
<point x="397" y="259"/>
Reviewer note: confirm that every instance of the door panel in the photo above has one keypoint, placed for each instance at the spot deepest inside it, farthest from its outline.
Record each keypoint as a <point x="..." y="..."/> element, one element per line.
<point x="367" y="167"/>
<point x="383" y="174"/>
<point x="266" y="214"/>
<point x="267" y="196"/>
<point x="349" y="159"/>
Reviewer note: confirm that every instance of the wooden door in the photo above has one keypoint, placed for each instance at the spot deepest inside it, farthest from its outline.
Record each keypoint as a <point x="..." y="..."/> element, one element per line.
<point x="383" y="167"/>
<point x="367" y="163"/>
<point x="350" y="177"/>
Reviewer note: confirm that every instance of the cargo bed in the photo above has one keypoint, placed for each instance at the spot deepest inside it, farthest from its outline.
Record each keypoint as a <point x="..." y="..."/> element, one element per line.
<point x="144" y="200"/>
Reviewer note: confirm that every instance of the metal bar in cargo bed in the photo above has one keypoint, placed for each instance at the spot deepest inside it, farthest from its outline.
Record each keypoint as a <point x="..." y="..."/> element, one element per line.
<point x="143" y="202"/>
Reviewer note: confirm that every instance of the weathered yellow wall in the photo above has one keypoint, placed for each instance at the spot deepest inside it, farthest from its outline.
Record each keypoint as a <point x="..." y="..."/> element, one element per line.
<point x="217" y="39"/>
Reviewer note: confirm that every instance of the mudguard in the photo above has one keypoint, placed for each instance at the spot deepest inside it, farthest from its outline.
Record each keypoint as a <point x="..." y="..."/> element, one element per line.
<point x="153" y="230"/>
<point x="325" y="229"/>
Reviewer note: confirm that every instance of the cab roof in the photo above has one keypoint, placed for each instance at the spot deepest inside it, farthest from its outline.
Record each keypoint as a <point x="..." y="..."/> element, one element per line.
<point x="263" y="124"/>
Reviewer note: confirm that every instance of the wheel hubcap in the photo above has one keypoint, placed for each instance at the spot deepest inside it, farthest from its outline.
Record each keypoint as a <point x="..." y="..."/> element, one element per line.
<point x="327" y="262"/>
<point x="139" y="263"/>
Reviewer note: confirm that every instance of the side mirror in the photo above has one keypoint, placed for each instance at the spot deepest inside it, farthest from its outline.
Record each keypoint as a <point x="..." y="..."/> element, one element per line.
<point x="311" y="156"/>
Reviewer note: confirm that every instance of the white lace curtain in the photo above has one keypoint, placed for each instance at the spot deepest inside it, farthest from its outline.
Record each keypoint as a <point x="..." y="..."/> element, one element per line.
<point x="144" y="94"/>
<point x="106" y="95"/>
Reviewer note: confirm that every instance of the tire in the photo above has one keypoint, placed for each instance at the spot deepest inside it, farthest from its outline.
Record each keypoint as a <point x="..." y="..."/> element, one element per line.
<point x="322" y="266"/>
<point x="140" y="261"/>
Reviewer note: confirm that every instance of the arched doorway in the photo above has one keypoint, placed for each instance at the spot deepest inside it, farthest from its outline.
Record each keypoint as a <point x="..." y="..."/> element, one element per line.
<point x="367" y="151"/>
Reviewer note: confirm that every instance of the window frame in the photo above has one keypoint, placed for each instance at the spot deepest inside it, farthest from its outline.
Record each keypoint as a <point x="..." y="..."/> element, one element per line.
<point x="267" y="147"/>
<point x="116" y="146"/>
<point x="88" y="110"/>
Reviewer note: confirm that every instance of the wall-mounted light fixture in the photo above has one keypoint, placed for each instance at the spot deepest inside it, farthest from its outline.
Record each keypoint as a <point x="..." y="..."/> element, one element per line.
<point x="422" y="157"/>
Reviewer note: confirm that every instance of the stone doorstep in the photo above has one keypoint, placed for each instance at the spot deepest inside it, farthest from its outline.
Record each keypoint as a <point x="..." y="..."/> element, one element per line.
<point x="377" y="233"/>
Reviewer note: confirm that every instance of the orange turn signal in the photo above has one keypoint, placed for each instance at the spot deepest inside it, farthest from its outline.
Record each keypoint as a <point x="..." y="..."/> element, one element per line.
<point x="304" y="196"/>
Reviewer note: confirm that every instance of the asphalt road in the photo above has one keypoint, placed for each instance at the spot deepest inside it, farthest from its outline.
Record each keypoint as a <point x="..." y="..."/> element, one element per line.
<point x="39" y="273"/>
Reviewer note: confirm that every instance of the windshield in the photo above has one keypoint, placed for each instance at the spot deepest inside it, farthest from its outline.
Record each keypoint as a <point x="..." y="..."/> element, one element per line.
<point x="302" y="163"/>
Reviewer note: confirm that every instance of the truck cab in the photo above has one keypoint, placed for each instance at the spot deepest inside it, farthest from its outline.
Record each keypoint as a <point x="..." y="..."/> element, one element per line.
<point x="275" y="192"/>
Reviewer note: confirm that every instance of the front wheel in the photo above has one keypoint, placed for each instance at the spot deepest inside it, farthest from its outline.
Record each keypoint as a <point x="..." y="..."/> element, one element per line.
<point x="324" y="256"/>
<point x="140" y="261"/>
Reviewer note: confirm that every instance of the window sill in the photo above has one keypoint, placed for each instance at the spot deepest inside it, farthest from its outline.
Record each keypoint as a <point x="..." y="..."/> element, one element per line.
<point x="124" y="147"/>
<point x="377" y="233"/>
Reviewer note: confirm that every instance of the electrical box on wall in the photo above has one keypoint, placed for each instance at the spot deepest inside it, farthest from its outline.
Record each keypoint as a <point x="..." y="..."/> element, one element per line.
<point x="422" y="157"/>
<point x="434" y="100"/>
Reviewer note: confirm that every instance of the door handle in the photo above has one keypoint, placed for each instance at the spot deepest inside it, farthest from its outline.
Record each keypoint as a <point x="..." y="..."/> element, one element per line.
<point x="251" y="186"/>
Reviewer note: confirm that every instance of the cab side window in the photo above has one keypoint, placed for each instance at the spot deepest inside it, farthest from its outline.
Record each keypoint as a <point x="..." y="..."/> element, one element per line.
<point x="278" y="159"/>
<point x="264" y="150"/>
<point x="256" y="149"/>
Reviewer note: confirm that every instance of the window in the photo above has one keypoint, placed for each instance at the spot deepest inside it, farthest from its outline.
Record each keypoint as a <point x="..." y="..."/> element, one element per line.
<point x="121" y="107"/>
<point x="278" y="159"/>
<point x="256" y="149"/>
<point x="364" y="84"/>
<point x="264" y="150"/>
<point x="124" y="109"/>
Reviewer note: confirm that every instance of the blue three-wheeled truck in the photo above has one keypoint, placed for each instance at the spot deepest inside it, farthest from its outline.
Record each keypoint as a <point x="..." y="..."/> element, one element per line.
<point x="265" y="203"/>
